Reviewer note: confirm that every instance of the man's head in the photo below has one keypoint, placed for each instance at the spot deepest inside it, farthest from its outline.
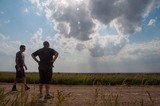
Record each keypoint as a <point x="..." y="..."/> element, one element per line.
<point x="46" y="44"/>
<point x="22" y="48"/>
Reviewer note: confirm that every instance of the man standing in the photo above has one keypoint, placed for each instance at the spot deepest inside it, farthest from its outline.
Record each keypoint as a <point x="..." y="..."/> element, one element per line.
<point x="47" y="57"/>
<point x="20" y="64"/>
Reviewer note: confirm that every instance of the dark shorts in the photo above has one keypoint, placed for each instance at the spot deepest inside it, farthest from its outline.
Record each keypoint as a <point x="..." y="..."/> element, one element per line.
<point x="45" y="75"/>
<point x="20" y="73"/>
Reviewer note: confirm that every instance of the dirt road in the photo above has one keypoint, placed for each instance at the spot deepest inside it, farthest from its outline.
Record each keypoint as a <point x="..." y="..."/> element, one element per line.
<point x="91" y="95"/>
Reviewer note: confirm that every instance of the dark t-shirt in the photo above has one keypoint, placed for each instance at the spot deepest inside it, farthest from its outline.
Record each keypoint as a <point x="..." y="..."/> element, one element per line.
<point x="46" y="56"/>
<point x="20" y="59"/>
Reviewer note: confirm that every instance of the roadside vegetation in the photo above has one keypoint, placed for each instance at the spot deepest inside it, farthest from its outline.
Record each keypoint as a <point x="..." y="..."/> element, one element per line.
<point x="100" y="96"/>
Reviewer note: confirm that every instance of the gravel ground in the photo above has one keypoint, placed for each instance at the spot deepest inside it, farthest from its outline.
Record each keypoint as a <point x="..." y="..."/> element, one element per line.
<point x="92" y="95"/>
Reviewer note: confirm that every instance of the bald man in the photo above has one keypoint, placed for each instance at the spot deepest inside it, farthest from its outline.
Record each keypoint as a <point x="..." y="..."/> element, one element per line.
<point x="47" y="57"/>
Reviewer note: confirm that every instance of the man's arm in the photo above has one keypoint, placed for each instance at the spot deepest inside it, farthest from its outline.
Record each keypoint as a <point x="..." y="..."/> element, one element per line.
<point x="34" y="57"/>
<point x="55" y="57"/>
<point x="17" y="63"/>
<point x="25" y="66"/>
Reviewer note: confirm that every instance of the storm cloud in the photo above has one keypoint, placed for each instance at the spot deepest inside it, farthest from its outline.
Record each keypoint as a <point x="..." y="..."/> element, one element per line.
<point x="71" y="19"/>
<point x="128" y="14"/>
<point x="81" y="20"/>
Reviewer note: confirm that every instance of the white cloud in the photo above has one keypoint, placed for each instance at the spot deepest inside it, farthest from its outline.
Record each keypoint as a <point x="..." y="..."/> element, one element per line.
<point x="36" y="2"/>
<point x="26" y="10"/>
<point x="112" y="55"/>
<point x="37" y="13"/>
<point x="2" y="12"/>
<point x="148" y="50"/>
<point x="142" y="57"/>
<point x="8" y="50"/>
<point x="155" y="4"/>
<point x="152" y="22"/>
<point x="48" y="13"/>
<point x="3" y="37"/>
<point x="7" y="21"/>
<point x="106" y="45"/>
<point x="63" y="28"/>
<point x="37" y="38"/>
<point x="7" y="47"/>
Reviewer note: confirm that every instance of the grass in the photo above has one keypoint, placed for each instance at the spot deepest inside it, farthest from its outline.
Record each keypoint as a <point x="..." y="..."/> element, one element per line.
<point x="100" y="96"/>
<point x="23" y="98"/>
<point x="18" y="99"/>
<point x="103" y="97"/>
<point x="90" y="79"/>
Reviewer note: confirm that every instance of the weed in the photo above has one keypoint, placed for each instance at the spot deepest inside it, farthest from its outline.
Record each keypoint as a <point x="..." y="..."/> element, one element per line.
<point x="90" y="79"/>
<point x="62" y="97"/>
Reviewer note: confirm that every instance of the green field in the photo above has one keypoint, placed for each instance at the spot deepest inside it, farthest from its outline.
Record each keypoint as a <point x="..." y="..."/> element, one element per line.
<point x="90" y="78"/>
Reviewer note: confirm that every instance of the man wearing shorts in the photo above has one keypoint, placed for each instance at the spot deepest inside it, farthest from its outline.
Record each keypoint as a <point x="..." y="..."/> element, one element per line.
<point x="47" y="57"/>
<point x="20" y="64"/>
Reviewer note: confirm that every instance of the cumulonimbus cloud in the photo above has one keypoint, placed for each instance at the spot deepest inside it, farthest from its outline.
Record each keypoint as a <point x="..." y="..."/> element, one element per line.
<point x="77" y="19"/>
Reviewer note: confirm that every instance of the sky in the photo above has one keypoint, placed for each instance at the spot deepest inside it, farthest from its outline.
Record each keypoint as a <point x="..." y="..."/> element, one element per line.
<point x="91" y="36"/>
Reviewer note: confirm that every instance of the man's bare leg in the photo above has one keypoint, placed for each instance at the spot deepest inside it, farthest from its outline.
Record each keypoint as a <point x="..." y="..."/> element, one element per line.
<point x="40" y="95"/>
<point x="40" y="88"/>
<point x="24" y="82"/>
<point x="48" y="96"/>
<point x="47" y="88"/>
<point x="15" y="81"/>
<point x="14" y="85"/>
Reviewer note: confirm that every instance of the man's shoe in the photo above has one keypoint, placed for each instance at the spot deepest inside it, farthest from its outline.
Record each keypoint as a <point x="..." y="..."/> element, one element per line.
<point x="48" y="96"/>
<point x="14" y="88"/>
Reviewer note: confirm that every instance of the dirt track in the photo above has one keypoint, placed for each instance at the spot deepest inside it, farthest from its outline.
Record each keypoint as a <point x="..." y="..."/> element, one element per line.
<point x="84" y="95"/>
